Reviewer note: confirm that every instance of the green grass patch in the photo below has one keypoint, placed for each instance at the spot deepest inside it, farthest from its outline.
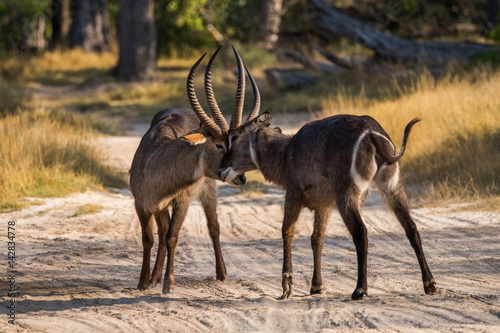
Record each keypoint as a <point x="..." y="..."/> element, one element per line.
<point x="491" y="58"/>
<point x="87" y="209"/>
<point x="11" y="100"/>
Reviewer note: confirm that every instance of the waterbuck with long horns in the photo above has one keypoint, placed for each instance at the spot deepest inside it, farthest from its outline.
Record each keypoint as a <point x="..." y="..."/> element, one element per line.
<point x="176" y="161"/>
<point x="335" y="159"/>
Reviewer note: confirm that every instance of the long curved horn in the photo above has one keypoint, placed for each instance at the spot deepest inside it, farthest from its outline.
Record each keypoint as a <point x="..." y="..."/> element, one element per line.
<point x="209" y="92"/>
<point x="256" y="98"/>
<point x="209" y="123"/>
<point x="240" y="94"/>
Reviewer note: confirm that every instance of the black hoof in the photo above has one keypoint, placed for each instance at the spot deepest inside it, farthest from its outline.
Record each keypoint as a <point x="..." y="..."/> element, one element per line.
<point x="358" y="294"/>
<point x="430" y="287"/>
<point x="316" y="290"/>
<point x="143" y="285"/>
<point x="221" y="278"/>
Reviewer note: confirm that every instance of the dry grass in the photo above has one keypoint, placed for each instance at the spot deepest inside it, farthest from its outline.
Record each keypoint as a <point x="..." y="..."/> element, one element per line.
<point x="45" y="153"/>
<point x="59" y="67"/>
<point x="455" y="150"/>
<point x="73" y="61"/>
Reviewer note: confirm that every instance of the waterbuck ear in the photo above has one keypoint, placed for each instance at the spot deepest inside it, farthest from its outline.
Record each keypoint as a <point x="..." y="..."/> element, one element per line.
<point x="194" y="139"/>
<point x="264" y="120"/>
<point x="277" y="129"/>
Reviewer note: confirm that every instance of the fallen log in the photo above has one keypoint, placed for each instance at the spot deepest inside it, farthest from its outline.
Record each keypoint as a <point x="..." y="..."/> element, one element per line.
<point x="342" y="62"/>
<point x="309" y="64"/>
<point x="289" y="78"/>
<point x="311" y="72"/>
<point x="393" y="48"/>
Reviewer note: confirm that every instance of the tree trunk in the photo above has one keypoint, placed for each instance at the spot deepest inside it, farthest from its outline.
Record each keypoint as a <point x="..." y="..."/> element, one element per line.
<point x="493" y="12"/>
<point x="60" y="22"/>
<point x="393" y="48"/>
<point x="137" y="38"/>
<point x="35" y="35"/>
<point x="271" y="17"/>
<point x="90" y="29"/>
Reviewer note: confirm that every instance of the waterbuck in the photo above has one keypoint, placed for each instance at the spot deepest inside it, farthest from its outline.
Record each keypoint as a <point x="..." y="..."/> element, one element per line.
<point x="176" y="161"/>
<point x="333" y="160"/>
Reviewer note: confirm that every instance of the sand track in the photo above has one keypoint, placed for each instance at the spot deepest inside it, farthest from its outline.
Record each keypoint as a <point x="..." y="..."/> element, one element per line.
<point x="78" y="274"/>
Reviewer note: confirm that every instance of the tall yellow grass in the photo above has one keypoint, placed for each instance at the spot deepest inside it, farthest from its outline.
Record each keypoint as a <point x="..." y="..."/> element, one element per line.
<point x="58" y="66"/>
<point x="73" y="60"/>
<point x="46" y="153"/>
<point x="455" y="150"/>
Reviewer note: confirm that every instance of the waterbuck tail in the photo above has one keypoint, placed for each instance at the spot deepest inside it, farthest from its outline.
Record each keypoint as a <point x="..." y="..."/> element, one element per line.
<point x="387" y="152"/>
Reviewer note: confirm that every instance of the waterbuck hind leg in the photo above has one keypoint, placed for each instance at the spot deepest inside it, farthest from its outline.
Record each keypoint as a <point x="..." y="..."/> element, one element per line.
<point x="163" y="221"/>
<point x="348" y="206"/>
<point x="147" y="244"/>
<point x="208" y="200"/>
<point x="317" y="237"/>
<point x="397" y="200"/>
<point x="293" y="206"/>
<point x="179" y="212"/>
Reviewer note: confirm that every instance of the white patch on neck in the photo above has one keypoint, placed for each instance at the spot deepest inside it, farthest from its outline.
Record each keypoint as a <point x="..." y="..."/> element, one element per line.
<point x="362" y="184"/>
<point x="253" y="155"/>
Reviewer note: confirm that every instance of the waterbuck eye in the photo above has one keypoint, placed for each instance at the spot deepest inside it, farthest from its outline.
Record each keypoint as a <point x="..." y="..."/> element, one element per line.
<point x="219" y="146"/>
<point x="234" y="138"/>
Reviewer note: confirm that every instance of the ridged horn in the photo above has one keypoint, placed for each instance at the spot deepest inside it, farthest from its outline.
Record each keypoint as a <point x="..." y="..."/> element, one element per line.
<point x="256" y="98"/>
<point x="208" y="122"/>
<point x="240" y="94"/>
<point x="209" y="92"/>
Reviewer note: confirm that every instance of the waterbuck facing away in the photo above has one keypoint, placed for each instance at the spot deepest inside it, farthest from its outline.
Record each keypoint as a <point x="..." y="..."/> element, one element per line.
<point x="335" y="159"/>
<point x="176" y="161"/>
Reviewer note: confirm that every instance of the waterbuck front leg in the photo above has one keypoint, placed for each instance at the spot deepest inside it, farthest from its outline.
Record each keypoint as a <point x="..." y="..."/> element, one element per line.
<point x="293" y="205"/>
<point x="179" y="212"/>
<point x="163" y="221"/>
<point x="348" y="206"/>
<point x="147" y="244"/>
<point x="208" y="200"/>
<point x="318" y="235"/>
<point x="397" y="200"/>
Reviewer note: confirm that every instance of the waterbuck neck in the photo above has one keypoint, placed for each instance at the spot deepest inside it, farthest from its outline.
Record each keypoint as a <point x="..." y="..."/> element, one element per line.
<point x="271" y="148"/>
<point x="180" y="167"/>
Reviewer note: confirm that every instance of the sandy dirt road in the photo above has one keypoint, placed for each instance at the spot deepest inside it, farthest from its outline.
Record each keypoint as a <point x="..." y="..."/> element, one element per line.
<point x="78" y="274"/>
